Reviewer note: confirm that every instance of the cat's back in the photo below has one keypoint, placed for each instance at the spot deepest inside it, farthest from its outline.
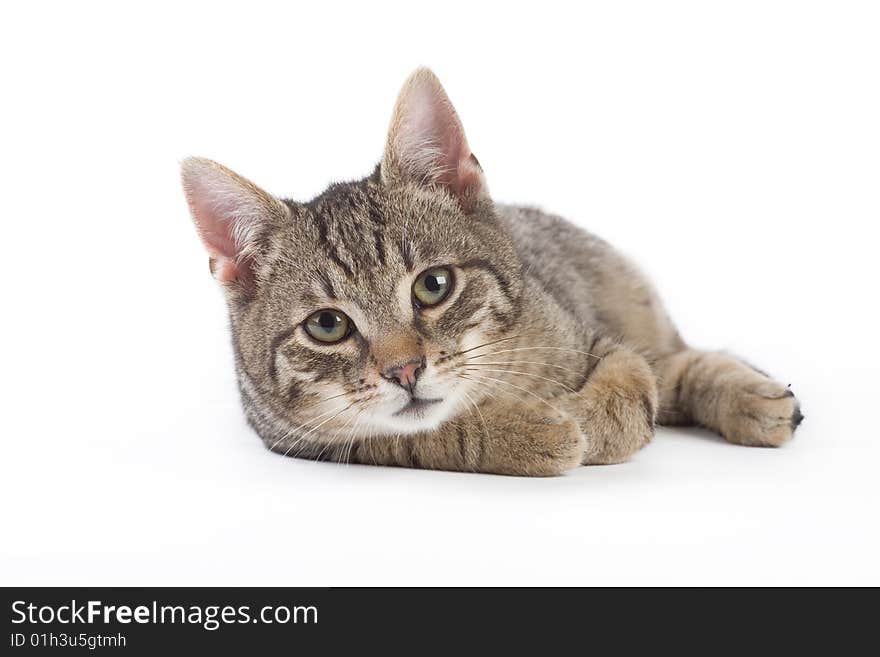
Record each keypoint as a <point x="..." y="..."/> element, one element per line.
<point x="566" y="260"/>
<point x="589" y="279"/>
<point x="537" y="233"/>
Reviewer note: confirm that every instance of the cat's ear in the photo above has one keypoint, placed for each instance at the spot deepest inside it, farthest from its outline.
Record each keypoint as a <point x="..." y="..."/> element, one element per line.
<point x="426" y="142"/>
<point x="231" y="215"/>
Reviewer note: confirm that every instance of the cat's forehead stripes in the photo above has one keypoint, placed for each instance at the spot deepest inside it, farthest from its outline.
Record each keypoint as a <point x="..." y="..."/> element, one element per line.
<point x="350" y="226"/>
<point x="326" y="285"/>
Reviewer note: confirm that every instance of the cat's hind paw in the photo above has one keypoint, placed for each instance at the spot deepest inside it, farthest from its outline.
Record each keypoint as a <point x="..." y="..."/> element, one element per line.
<point x="762" y="415"/>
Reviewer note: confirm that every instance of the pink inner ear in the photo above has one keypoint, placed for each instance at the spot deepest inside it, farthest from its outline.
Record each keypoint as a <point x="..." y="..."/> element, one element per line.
<point x="214" y="231"/>
<point x="225" y="270"/>
<point x="225" y="209"/>
<point x="429" y="139"/>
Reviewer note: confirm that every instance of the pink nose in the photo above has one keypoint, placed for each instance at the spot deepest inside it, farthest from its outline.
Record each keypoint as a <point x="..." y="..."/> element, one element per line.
<point x="406" y="374"/>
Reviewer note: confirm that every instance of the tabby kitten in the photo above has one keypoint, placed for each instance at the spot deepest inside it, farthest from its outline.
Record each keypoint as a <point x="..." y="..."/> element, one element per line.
<point x="407" y="319"/>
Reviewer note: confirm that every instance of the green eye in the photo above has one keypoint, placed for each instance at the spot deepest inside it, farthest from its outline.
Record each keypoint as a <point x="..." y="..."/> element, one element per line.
<point x="432" y="286"/>
<point x="328" y="326"/>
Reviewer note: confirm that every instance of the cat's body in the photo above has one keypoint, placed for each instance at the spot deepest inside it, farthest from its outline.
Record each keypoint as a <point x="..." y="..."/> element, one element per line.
<point x="406" y="319"/>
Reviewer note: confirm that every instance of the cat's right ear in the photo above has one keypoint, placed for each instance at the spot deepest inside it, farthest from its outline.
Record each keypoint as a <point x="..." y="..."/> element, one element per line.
<point x="231" y="215"/>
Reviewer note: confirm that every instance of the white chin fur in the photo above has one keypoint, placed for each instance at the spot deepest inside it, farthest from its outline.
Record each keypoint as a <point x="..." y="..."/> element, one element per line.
<point x="429" y="419"/>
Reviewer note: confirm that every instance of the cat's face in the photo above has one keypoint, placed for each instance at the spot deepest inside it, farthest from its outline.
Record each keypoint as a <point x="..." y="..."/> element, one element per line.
<point x="371" y="293"/>
<point x="355" y="311"/>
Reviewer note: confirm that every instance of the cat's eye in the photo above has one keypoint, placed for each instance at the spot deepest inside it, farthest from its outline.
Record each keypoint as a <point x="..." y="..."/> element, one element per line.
<point x="328" y="326"/>
<point x="432" y="286"/>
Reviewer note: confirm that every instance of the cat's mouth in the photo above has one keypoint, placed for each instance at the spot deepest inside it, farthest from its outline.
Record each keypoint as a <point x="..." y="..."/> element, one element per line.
<point x="416" y="406"/>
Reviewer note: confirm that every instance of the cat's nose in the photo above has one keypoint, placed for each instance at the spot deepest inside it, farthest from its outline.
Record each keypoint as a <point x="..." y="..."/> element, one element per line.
<point x="406" y="374"/>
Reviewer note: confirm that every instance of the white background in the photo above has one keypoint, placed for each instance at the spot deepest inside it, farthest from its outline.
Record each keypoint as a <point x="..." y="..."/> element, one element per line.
<point x="732" y="149"/>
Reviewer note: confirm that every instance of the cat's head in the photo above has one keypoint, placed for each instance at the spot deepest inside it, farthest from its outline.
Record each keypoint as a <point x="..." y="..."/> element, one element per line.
<point x="354" y="309"/>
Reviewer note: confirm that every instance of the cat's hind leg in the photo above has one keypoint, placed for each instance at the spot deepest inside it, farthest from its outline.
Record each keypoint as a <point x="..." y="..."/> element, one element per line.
<point x="719" y="392"/>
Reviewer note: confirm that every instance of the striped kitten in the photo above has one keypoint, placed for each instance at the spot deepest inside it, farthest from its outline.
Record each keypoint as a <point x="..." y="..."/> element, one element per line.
<point x="407" y="319"/>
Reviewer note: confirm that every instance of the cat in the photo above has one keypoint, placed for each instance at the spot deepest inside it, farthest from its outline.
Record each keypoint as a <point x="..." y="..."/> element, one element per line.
<point x="407" y="319"/>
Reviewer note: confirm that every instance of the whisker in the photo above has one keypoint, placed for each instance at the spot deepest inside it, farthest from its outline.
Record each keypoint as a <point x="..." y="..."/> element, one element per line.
<point x="318" y="426"/>
<point x="289" y="433"/>
<point x="528" y="362"/>
<point x="353" y="438"/>
<point x="487" y="344"/>
<point x="660" y="407"/>
<point x="345" y="453"/>
<point x="529" y="392"/>
<point x="338" y="431"/>
<point x="507" y="351"/>
<point x="477" y="409"/>
<point x="338" y="448"/>
<point x="488" y="389"/>
<point x="364" y="443"/>
<point x="370" y="445"/>
<point x="351" y="443"/>
<point x="298" y="441"/>
<point x="543" y="378"/>
<point x="326" y="399"/>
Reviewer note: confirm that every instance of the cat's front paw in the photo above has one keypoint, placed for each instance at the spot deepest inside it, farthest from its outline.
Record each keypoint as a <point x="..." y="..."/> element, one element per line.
<point x="764" y="413"/>
<point x="535" y="442"/>
<point x="619" y="408"/>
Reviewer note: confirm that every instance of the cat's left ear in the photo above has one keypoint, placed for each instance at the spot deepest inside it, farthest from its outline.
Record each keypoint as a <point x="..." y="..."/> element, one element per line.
<point x="426" y="142"/>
